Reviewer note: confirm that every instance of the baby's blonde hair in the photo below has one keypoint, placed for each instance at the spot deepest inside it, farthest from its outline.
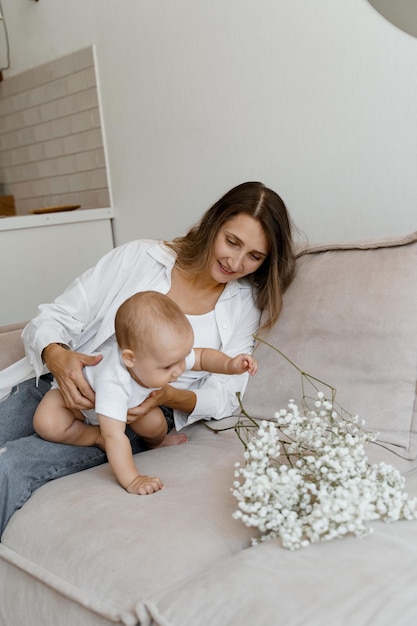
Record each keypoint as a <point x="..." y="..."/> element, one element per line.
<point x="141" y="316"/>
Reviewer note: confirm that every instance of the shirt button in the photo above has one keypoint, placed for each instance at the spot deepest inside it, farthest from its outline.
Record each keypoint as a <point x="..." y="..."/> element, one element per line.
<point x="224" y="325"/>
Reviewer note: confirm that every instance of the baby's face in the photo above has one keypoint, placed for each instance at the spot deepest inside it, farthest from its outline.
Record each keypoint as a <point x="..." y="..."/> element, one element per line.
<point x="166" y="361"/>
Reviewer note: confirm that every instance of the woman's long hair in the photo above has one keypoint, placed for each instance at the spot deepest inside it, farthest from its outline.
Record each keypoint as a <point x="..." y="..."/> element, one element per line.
<point x="276" y="272"/>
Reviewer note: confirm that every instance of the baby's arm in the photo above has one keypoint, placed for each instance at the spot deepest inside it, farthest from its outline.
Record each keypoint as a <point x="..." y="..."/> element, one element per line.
<point x="217" y="362"/>
<point x="119" y="454"/>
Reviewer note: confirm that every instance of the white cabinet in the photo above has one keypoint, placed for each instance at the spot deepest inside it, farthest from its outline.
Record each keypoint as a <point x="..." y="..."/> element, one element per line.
<point x="41" y="254"/>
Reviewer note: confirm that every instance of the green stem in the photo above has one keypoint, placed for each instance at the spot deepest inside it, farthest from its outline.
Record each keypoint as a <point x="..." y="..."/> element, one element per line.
<point x="216" y="431"/>
<point x="239" y="399"/>
<point x="284" y="447"/>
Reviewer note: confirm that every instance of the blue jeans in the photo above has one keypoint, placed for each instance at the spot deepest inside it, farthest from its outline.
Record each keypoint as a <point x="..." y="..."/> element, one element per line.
<point x="27" y="461"/>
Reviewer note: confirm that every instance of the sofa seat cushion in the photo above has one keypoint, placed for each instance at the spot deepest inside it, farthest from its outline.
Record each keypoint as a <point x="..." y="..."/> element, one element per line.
<point x="349" y="319"/>
<point x="347" y="581"/>
<point x="84" y="538"/>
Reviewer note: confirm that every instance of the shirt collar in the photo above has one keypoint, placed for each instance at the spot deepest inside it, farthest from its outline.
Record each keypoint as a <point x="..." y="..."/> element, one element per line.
<point x="163" y="254"/>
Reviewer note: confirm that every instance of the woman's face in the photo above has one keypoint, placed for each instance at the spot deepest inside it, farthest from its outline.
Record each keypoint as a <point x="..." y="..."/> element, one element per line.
<point x="239" y="249"/>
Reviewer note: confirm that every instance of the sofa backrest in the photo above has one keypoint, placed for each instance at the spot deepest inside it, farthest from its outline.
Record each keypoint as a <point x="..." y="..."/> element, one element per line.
<point x="350" y="319"/>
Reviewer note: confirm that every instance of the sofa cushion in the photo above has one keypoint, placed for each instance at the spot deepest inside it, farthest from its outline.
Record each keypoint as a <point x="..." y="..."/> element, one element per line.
<point x="349" y="319"/>
<point x="84" y="538"/>
<point x="347" y="581"/>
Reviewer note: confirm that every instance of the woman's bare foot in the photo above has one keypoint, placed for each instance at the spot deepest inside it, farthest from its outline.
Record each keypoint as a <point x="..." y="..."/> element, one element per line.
<point x="173" y="439"/>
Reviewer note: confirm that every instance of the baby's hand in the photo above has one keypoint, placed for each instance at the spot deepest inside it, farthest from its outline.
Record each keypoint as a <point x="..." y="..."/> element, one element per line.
<point x="144" y="485"/>
<point x="243" y="363"/>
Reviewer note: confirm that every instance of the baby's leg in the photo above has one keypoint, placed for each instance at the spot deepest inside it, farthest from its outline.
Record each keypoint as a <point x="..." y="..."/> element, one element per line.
<point x="53" y="421"/>
<point x="152" y="427"/>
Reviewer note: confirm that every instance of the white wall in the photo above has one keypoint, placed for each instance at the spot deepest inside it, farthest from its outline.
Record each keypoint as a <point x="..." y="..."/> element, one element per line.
<point x="316" y="99"/>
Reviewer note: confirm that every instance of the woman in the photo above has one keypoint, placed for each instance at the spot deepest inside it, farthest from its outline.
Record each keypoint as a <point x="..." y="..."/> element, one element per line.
<point x="223" y="273"/>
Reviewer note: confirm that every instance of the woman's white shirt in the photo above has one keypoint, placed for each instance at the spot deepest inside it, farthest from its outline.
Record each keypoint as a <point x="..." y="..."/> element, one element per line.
<point x="83" y="318"/>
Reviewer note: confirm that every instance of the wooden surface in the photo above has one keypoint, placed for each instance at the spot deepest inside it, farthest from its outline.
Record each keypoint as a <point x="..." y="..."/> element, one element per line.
<point x="7" y="206"/>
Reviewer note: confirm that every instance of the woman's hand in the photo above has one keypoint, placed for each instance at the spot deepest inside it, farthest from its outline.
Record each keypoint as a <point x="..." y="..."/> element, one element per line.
<point x="180" y="399"/>
<point x="67" y="368"/>
<point x="156" y="398"/>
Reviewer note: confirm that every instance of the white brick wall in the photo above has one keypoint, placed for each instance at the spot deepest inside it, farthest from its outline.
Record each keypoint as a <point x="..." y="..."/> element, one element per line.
<point x="51" y="145"/>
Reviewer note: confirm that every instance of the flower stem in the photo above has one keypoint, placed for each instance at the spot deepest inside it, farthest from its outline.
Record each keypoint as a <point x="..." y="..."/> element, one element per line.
<point x="304" y="375"/>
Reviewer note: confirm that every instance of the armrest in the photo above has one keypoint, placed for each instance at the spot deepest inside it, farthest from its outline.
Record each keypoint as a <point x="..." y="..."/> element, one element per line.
<point x="11" y="346"/>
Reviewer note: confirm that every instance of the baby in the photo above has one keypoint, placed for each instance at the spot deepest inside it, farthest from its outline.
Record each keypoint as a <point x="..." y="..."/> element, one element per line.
<point x="153" y="346"/>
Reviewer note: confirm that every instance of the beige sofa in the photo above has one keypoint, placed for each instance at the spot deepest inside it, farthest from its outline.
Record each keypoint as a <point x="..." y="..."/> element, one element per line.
<point x="82" y="551"/>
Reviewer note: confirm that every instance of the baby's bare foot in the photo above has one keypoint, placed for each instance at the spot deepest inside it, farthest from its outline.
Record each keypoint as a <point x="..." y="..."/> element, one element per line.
<point x="174" y="439"/>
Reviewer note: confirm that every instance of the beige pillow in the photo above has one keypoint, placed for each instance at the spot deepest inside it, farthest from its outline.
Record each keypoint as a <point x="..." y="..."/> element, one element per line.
<point x="350" y="319"/>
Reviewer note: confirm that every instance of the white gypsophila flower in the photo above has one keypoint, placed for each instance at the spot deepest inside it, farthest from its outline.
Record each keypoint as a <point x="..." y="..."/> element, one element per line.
<point x="315" y="483"/>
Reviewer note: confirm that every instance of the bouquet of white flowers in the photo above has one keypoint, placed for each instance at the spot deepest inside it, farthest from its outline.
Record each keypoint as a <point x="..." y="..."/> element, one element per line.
<point x="306" y="477"/>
